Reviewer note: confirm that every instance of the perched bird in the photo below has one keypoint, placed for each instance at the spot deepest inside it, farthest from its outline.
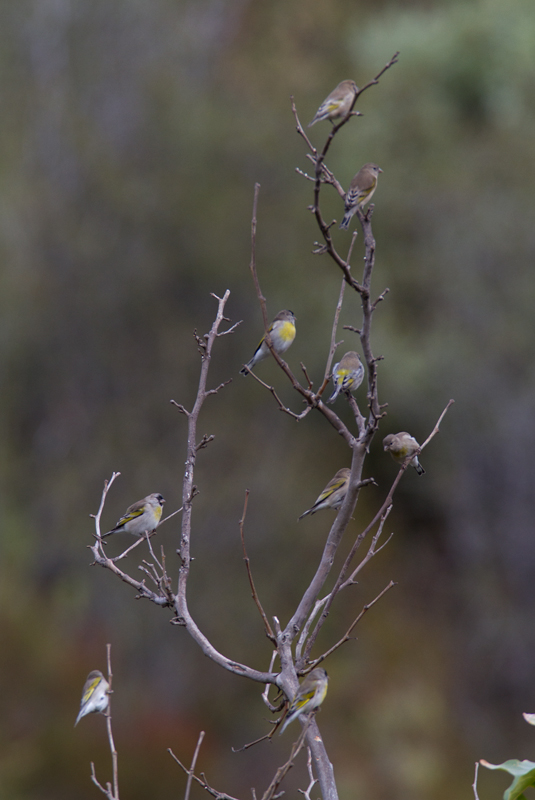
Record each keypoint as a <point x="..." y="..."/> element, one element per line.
<point x="347" y="375"/>
<point x="360" y="191"/>
<point x="401" y="446"/>
<point x="141" y="517"/>
<point x="334" y="493"/>
<point x="309" y="696"/>
<point x="94" y="695"/>
<point x="338" y="103"/>
<point x="282" y="332"/>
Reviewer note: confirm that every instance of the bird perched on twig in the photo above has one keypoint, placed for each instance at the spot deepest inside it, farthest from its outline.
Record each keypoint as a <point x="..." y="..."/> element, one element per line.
<point x="360" y="191"/>
<point x="337" y="104"/>
<point x="334" y="493"/>
<point x="282" y="333"/>
<point x="401" y="446"/>
<point x="309" y="696"/>
<point x="347" y="375"/>
<point x="141" y="517"/>
<point x="95" y="698"/>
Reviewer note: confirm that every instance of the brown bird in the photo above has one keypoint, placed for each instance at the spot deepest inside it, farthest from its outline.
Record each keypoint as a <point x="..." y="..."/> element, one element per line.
<point x="338" y="103"/>
<point x="360" y="191"/>
<point x="401" y="446"/>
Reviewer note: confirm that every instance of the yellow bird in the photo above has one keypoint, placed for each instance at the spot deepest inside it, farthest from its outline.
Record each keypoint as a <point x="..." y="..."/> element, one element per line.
<point x="282" y="331"/>
<point x="347" y="375"/>
<point x="141" y="517"/>
<point x="95" y="696"/>
<point x="308" y="697"/>
<point x="334" y="493"/>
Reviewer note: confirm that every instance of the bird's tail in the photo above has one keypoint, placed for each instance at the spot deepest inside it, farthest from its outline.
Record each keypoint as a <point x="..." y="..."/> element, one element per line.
<point x="344" y="225"/>
<point x="334" y="395"/>
<point x="419" y="469"/>
<point x="289" y="718"/>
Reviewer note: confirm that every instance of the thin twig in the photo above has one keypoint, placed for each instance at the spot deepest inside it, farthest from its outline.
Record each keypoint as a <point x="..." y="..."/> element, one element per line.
<point x="474" y="785"/>
<point x="202" y="780"/>
<point x="379" y="518"/>
<point x="375" y="81"/>
<point x="107" y="487"/>
<point x="108" y="790"/>
<point x="346" y="637"/>
<point x="252" y="264"/>
<point x="112" y="793"/>
<point x="313" y="780"/>
<point x="334" y="343"/>
<point x="169" y="516"/>
<point x="252" y="744"/>
<point x="282" y="771"/>
<point x="373" y="550"/>
<point x="269" y="632"/>
<point x="129" y="549"/>
<point x="110" y="732"/>
<point x="265" y="693"/>
<point x="310" y="398"/>
<point x="192" y="768"/>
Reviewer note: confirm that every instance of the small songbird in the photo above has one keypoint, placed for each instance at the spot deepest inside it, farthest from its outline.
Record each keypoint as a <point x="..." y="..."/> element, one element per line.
<point x="401" y="446"/>
<point x="338" y="103"/>
<point x="141" y="517"/>
<point x="95" y="697"/>
<point x="282" y="332"/>
<point x="360" y="191"/>
<point x="334" y="493"/>
<point x="347" y="375"/>
<point x="309" y="696"/>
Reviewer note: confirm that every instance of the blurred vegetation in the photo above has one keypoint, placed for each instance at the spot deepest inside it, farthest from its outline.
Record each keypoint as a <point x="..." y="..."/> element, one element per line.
<point x="132" y="136"/>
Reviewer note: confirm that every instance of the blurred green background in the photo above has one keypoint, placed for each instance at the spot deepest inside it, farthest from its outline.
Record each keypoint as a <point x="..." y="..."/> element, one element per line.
<point x="132" y="134"/>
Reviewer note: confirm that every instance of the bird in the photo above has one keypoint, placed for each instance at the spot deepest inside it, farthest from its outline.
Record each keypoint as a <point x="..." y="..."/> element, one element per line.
<point x="347" y="375"/>
<point x="141" y="517"/>
<point x="401" y="446"/>
<point x="360" y="191"/>
<point x="95" y="696"/>
<point x="282" y="332"/>
<point x="309" y="696"/>
<point x="334" y="493"/>
<point x="338" y="103"/>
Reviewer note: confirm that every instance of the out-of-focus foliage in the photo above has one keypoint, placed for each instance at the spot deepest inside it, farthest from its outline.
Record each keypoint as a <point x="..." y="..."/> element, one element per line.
<point x="132" y="134"/>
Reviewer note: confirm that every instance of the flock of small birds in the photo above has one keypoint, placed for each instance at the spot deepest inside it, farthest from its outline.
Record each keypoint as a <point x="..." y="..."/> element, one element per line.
<point x="142" y="518"/>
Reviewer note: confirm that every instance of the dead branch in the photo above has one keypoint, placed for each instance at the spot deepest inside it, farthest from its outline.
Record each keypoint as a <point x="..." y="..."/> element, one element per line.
<point x="193" y="763"/>
<point x="380" y="518"/>
<point x="474" y="785"/>
<point x="269" y="632"/>
<point x="112" y="793"/>
<point x="202" y="780"/>
<point x="346" y="637"/>
<point x="269" y="794"/>
<point x="313" y="780"/>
